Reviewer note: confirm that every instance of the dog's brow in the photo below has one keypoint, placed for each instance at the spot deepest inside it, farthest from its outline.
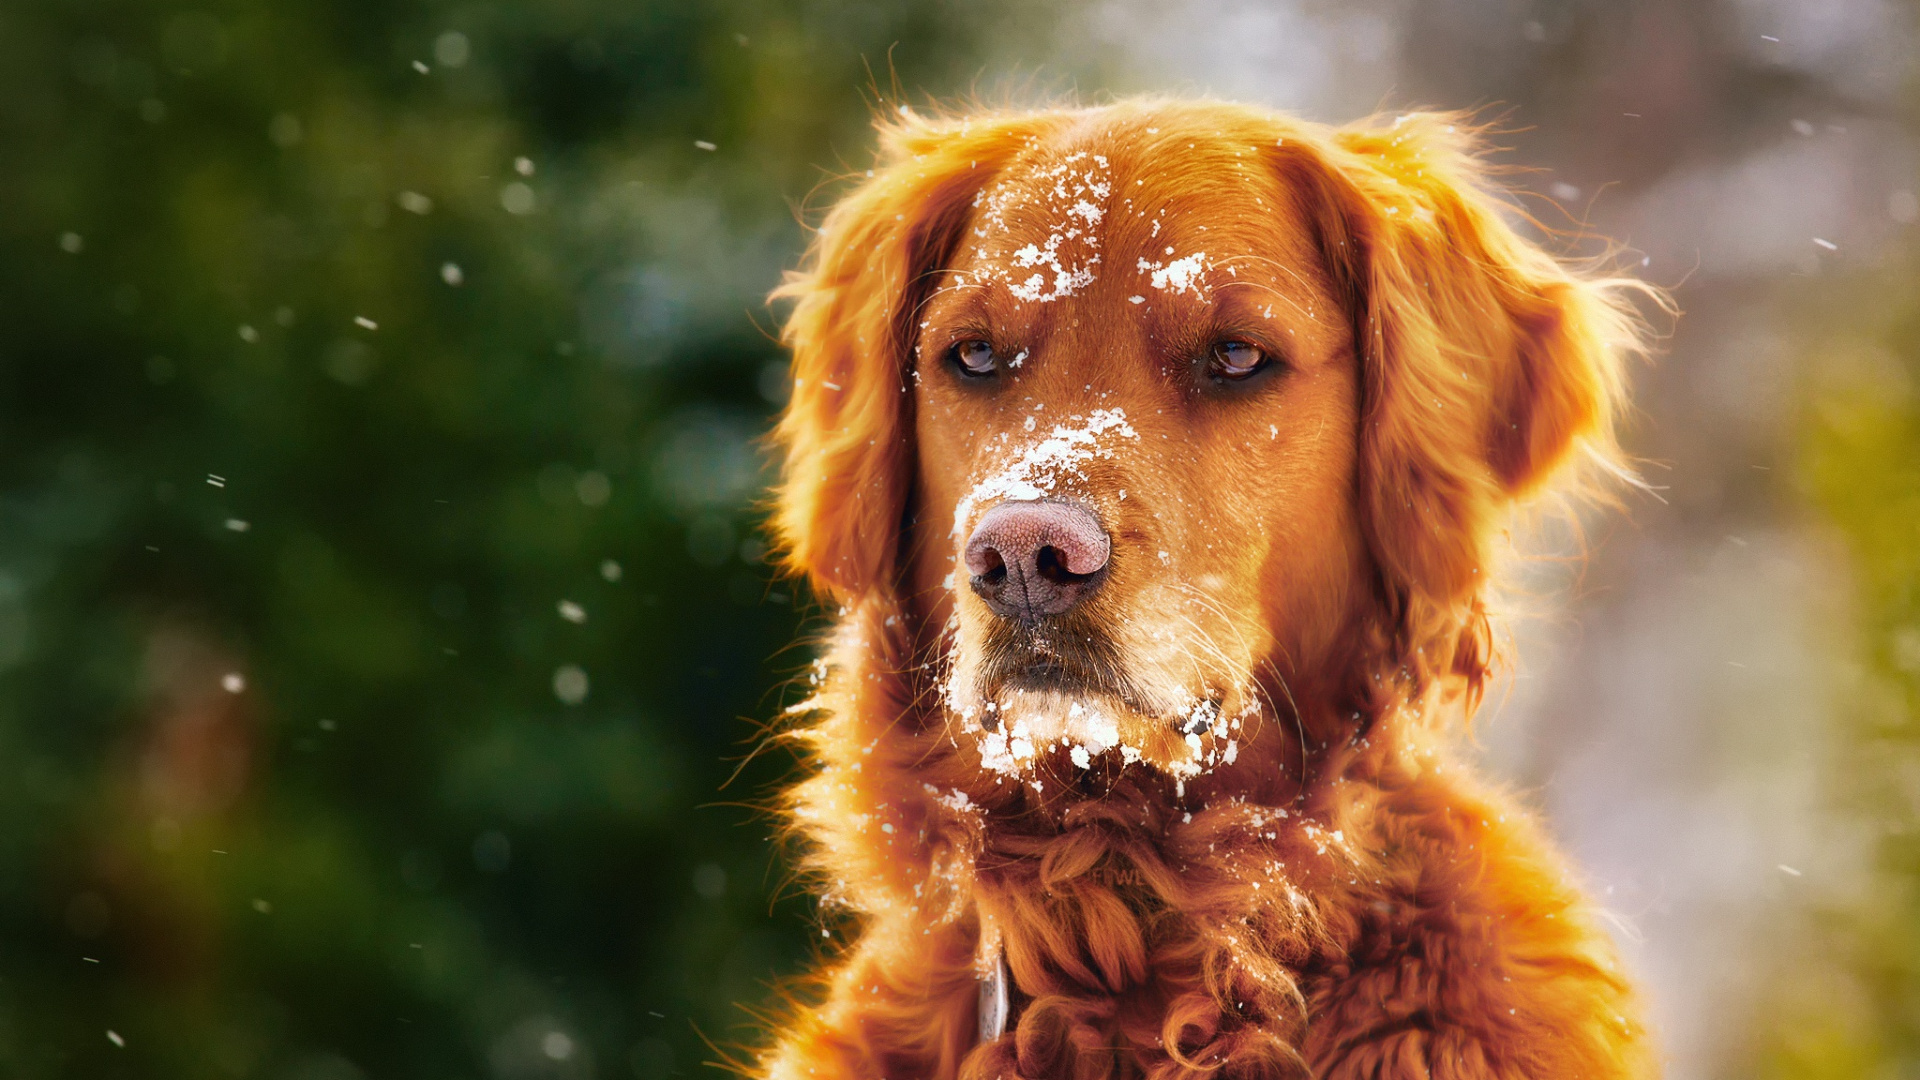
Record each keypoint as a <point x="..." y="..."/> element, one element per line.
<point x="948" y="295"/>
<point x="1275" y="264"/>
<point x="1302" y="312"/>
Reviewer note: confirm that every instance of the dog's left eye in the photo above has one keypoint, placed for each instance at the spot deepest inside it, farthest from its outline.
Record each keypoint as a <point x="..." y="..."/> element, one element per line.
<point x="973" y="358"/>
<point x="1236" y="360"/>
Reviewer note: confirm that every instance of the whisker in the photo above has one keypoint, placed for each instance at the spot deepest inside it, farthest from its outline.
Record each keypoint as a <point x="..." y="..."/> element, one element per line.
<point x="1299" y="725"/>
<point x="1251" y="258"/>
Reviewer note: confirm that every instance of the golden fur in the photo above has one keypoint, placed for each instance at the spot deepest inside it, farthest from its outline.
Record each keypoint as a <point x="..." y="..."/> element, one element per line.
<point x="1309" y="883"/>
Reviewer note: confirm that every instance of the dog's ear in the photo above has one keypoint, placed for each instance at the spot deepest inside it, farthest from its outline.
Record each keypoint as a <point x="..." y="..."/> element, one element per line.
<point x="846" y="431"/>
<point x="1487" y="364"/>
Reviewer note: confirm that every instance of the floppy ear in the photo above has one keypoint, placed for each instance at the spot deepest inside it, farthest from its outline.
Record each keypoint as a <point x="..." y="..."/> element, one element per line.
<point x="839" y="508"/>
<point x="1487" y="366"/>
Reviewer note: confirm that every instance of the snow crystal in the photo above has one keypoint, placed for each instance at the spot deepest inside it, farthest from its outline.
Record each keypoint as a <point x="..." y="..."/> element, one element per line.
<point x="517" y="198"/>
<point x="1071" y="194"/>
<point x="570" y="684"/>
<point x="1041" y="722"/>
<point x="1031" y="476"/>
<point x="955" y="800"/>
<point x="1178" y="275"/>
<point x="1066" y="281"/>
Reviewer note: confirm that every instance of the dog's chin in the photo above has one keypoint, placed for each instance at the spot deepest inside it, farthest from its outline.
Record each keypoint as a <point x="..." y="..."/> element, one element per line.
<point x="1030" y="719"/>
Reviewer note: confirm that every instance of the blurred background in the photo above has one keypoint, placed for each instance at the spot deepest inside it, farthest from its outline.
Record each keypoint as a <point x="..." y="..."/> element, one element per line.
<point x="382" y="605"/>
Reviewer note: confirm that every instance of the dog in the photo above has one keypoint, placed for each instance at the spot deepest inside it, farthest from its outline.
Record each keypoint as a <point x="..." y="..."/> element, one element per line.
<point x="1153" y="459"/>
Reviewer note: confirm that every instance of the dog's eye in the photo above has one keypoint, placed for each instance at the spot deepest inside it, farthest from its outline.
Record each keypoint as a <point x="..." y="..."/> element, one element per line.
<point x="973" y="358"/>
<point x="1236" y="360"/>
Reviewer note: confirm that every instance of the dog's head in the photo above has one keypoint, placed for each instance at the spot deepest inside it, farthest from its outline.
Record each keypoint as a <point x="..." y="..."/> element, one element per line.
<point x="1148" y="417"/>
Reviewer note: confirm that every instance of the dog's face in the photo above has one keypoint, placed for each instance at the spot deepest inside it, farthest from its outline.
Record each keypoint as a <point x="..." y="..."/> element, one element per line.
<point x="1139" y="421"/>
<point x="1135" y="397"/>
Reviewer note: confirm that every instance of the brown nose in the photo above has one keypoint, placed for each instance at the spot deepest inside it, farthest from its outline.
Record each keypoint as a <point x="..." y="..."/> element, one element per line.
<point x="1031" y="559"/>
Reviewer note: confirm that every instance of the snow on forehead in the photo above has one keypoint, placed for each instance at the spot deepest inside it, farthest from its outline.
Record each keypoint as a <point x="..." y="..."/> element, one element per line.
<point x="1063" y="196"/>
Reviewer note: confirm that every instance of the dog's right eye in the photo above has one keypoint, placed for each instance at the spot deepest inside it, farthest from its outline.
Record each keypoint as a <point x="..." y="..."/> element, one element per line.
<point x="975" y="359"/>
<point x="1236" y="360"/>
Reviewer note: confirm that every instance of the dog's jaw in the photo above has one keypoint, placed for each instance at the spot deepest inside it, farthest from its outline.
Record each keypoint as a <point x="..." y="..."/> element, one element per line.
<point x="1180" y="727"/>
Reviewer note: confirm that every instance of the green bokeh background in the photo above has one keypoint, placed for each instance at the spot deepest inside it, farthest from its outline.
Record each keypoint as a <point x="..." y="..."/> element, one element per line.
<point x="395" y="849"/>
<point x="384" y="629"/>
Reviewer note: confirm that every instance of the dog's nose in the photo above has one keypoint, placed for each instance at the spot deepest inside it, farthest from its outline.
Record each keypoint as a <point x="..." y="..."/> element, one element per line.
<point x="1031" y="559"/>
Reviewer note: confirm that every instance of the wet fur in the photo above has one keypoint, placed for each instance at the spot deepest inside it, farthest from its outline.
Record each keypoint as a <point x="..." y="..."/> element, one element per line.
<point x="1345" y="900"/>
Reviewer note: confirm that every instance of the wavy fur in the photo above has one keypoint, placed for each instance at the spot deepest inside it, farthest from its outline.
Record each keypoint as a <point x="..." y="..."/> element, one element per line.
<point x="1344" y="899"/>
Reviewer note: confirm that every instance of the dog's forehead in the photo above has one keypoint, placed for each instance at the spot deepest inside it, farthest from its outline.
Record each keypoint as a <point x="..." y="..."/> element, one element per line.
<point x="1156" y="215"/>
<point x="1038" y="228"/>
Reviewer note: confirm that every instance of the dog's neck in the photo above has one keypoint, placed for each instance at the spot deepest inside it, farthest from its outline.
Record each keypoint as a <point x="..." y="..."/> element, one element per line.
<point x="1084" y="882"/>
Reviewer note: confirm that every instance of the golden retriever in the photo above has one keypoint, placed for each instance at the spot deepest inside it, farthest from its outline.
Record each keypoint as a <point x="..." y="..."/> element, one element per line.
<point x="1153" y="458"/>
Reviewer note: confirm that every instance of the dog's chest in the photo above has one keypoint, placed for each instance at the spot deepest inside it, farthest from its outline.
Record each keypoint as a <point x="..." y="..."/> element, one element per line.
<point x="1110" y="918"/>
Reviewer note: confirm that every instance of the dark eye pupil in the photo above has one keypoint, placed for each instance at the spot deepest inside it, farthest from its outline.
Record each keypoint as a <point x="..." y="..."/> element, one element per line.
<point x="976" y="357"/>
